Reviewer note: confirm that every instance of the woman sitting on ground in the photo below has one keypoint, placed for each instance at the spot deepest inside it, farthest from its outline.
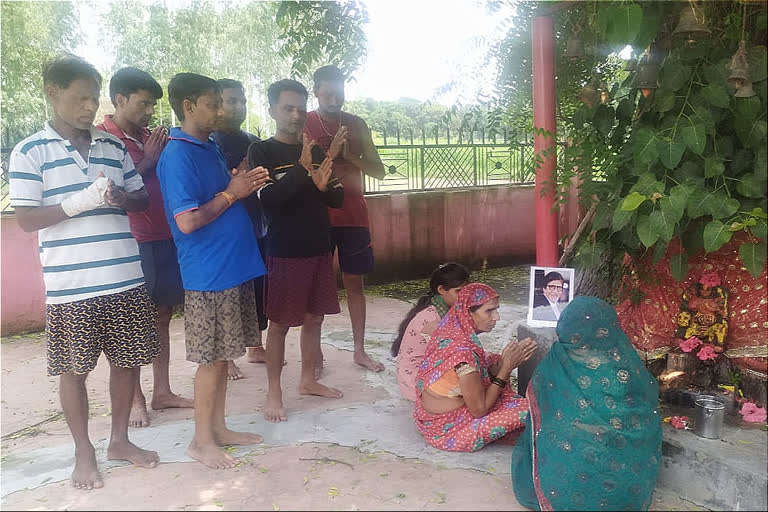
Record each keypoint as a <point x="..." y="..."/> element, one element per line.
<point x="592" y="440"/>
<point x="464" y="400"/>
<point x="414" y="331"/>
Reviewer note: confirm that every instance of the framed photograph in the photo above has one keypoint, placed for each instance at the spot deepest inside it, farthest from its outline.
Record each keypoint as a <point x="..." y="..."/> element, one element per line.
<point x="551" y="289"/>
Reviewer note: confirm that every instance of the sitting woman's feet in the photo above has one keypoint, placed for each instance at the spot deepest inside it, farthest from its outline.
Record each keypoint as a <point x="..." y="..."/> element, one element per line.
<point x="227" y="437"/>
<point x="86" y="474"/>
<point x="171" y="401"/>
<point x="139" y="416"/>
<point x="233" y="371"/>
<point x="211" y="455"/>
<point x="126" y="450"/>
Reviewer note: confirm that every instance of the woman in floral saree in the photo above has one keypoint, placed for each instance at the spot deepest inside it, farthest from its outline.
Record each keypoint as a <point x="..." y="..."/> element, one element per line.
<point x="592" y="440"/>
<point x="464" y="400"/>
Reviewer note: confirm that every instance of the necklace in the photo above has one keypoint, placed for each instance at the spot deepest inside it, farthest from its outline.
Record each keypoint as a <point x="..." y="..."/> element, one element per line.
<point x="322" y="124"/>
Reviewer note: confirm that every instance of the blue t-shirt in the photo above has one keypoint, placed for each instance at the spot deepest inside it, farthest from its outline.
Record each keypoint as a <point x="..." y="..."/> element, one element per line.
<point x="223" y="253"/>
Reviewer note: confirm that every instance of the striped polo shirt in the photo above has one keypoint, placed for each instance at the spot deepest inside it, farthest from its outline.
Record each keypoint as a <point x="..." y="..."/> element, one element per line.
<point x="90" y="254"/>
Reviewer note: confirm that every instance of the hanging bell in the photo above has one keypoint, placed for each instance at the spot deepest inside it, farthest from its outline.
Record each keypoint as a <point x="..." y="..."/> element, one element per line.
<point x="690" y="27"/>
<point x="745" y="91"/>
<point x="574" y="48"/>
<point x="589" y="95"/>
<point x="605" y="94"/>
<point x="739" y="77"/>
<point x="647" y="76"/>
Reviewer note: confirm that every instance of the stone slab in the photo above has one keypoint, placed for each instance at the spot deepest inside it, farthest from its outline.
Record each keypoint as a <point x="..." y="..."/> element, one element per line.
<point x="544" y="337"/>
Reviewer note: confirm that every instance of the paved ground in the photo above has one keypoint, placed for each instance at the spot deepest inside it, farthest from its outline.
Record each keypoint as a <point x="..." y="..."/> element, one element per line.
<point x="360" y="452"/>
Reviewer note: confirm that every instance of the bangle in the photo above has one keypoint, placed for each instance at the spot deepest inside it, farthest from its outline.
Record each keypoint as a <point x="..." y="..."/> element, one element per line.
<point x="501" y="383"/>
<point x="228" y="197"/>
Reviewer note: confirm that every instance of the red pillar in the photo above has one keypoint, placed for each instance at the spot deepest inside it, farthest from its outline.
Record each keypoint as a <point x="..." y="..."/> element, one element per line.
<point x="543" y="39"/>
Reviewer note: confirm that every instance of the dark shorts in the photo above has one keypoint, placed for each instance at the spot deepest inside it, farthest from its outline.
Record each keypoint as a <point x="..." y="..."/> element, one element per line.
<point x="122" y="325"/>
<point x="162" y="275"/>
<point x="259" y="285"/>
<point x="219" y="325"/>
<point x="300" y="286"/>
<point x="355" y="251"/>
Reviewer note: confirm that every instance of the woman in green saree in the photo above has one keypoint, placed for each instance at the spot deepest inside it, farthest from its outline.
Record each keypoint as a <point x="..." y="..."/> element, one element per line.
<point x="592" y="440"/>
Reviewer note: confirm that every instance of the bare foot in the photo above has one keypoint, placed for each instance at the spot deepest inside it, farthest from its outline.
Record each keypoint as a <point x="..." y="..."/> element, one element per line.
<point x="365" y="361"/>
<point x="227" y="437"/>
<point x="315" y="388"/>
<point x="273" y="408"/>
<point x="139" y="416"/>
<point x="233" y="372"/>
<point x="257" y="355"/>
<point x="171" y="401"/>
<point x="211" y="455"/>
<point x="319" y="371"/>
<point x="126" y="450"/>
<point x="86" y="473"/>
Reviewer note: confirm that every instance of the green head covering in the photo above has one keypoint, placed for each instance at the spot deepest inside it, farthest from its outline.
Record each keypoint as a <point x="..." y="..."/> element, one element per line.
<point x="593" y="436"/>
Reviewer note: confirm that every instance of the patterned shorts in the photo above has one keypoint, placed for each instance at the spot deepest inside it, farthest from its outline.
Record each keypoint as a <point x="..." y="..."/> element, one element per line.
<point x="122" y="325"/>
<point x="219" y="325"/>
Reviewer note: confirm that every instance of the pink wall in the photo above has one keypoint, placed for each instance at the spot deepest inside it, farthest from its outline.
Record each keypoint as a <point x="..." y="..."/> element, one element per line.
<point x="22" y="293"/>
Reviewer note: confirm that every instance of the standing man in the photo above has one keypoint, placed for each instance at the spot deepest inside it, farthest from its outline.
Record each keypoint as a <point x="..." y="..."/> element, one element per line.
<point x="301" y="287"/>
<point x="349" y="232"/>
<point x="234" y="142"/>
<point x="218" y="256"/>
<point x="73" y="184"/>
<point x="134" y="94"/>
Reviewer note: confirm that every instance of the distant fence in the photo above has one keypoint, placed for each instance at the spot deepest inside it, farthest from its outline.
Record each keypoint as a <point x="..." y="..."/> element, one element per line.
<point x="421" y="161"/>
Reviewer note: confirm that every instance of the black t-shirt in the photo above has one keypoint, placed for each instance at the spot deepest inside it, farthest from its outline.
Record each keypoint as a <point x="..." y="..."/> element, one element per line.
<point x="296" y="211"/>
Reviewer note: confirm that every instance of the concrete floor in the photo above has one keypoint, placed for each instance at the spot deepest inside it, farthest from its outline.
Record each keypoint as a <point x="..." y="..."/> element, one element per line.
<point x="360" y="452"/>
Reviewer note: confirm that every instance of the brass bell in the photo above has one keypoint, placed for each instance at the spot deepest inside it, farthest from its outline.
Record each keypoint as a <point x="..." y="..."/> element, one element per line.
<point x="739" y="67"/>
<point x="690" y="26"/>
<point x="574" y="48"/>
<point x="647" y="76"/>
<point x="745" y="91"/>
<point x="589" y="94"/>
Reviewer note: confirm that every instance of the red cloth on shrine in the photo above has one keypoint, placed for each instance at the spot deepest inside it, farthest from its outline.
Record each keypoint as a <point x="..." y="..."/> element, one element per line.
<point x="651" y="323"/>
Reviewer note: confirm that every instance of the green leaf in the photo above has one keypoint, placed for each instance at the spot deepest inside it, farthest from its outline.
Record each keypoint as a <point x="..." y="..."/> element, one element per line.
<point x="750" y="185"/>
<point x="751" y="133"/>
<point x="673" y="205"/>
<point x="670" y="151"/>
<point x="759" y="213"/>
<point x="747" y="108"/>
<point x="753" y="256"/>
<point x="648" y="185"/>
<point x="716" y="95"/>
<point x="659" y="250"/>
<point x="625" y="24"/>
<point x="702" y="114"/>
<point x="663" y="224"/>
<point x="620" y="218"/>
<point x="645" y="149"/>
<point x="698" y="202"/>
<point x="758" y="63"/>
<point x="645" y="232"/>
<point x="632" y="201"/>
<point x="736" y="226"/>
<point x="590" y="254"/>
<point x="674" y="75"/>
<point x="713" y="166"/>
<point x="721" y="206"/>
<point x="664" y="100"/>
<point x="716" y="235"/>
<point x="760" y="229"/>
<point x="678" y="265"/>
<point x="695" y="138"/>
<point x="625" y="110"/>
<point x="604" y="118"/>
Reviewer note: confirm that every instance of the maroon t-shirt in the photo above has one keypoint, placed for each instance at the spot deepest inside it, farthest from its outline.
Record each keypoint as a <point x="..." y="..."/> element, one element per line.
<point x="151" y="224"/>
<point x="354" y="212"/>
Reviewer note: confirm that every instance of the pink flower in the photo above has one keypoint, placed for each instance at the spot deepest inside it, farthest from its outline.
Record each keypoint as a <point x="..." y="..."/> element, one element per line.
<point x="679" y="422"/>
<point x="752" y="413"/>
<point x="690" y="344"/>
<point x="707" y="352"/>
<point x="710" y="279"/>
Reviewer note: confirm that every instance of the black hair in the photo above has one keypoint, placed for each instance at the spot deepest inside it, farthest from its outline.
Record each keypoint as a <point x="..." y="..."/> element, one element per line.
<point x="447" y="275"/>
<point x="130" y="80"/>
<point x="63" y="71"/>
<point x="552" y="276"/>
<point x="188" y="86"/>
<point x="273" y="93"/>
<point x="328" y="74"/>
<point x="229" y="83"/>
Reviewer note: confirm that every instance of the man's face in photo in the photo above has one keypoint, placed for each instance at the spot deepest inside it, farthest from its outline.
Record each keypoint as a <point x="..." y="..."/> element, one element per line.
<point x="553" y="290"/>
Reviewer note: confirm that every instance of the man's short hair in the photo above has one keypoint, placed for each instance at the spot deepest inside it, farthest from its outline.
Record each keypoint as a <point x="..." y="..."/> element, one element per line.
<point x="229" y="83"/>
<point x="130" y="80"/>
<point x="285" y="85"/>
<point x="328" y="74"/>
<point x="188" y="86"/>
<point x="65" y="70"/>
<point x="552" y="276"/>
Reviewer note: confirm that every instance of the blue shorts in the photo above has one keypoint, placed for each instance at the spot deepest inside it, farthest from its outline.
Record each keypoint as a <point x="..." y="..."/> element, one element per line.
<point x="355" y="251"/>
<point x="161" y="272"/>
